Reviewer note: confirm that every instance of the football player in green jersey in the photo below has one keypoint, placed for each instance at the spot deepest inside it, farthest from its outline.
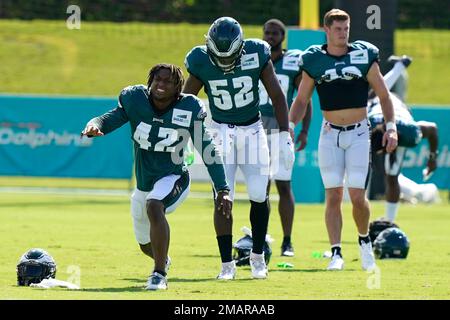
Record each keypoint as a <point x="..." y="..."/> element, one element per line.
<point x="162" y="119"/>
<point x="410" y="133"/>
<point x="229" y="68"/>
<point x="341" y="72"/>
<point x="287" y="68"/>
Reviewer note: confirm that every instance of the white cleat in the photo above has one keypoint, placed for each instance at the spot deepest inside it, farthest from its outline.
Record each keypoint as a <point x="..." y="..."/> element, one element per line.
<point x="258" y="265"/>
<point x="336" y="263"/>
<point x="156" y="281"/>
<point x="367" y="257"/>
<point x="228" y="271"/>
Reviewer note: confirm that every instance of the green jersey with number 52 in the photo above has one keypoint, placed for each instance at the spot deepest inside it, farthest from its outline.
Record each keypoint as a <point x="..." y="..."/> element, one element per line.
<point x="159" y="138"/>
<point x="233" y="96"/>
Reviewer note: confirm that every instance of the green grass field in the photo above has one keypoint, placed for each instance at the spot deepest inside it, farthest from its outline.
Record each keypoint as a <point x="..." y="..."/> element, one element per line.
<point x="45" y="57"/>
<point x="94" y="234"/>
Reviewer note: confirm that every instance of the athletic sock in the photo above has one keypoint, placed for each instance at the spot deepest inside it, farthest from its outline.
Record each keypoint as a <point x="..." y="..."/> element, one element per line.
<point x="160" y="272"/>
<point x="363" y="238"/>
<point x="286" y="240"/>
<point x="391" y="210"/>
<point x="336" y="250"/>
<point x="225" y="243"/>
<point x="259" y="218"/>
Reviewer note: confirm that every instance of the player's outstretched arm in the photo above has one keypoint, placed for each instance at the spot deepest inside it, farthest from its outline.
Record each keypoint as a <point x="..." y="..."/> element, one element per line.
<point x="213" y="162"/>
<point x="273" y="88"/>
<point x="105" y="123"/>
<point x="302" y="138"/>
<point x="376" y="81"/>
<point x="192" y="85"/>
<point x="301" y="102"/>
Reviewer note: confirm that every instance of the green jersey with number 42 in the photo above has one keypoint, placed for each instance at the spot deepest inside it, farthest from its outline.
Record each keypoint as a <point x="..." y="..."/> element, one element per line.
<point x="233" y="96"/>
<point x="287" y="69"/>
<point x="159" y="138"/>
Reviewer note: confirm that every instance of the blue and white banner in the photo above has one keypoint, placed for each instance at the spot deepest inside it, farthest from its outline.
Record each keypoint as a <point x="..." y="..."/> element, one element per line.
<point x="40" y="136"/>
<point x="416" y="158"/>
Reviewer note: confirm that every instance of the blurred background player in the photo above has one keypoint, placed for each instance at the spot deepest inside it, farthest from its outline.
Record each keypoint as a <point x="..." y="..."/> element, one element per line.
<point x="161" y="120"/>
<point x="229" y="68"/>
<point x="287" y="68"/>
<point x="410" y="133"/>
<point x="341" y="72"/>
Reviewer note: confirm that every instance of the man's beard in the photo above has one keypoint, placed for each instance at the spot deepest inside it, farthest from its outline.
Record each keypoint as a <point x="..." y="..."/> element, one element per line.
<point x="276" y="47"/>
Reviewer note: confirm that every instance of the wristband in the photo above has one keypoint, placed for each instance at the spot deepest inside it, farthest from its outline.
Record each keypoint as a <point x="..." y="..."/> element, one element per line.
<point x="391" y="126"/>
<point x="291" y="125"/>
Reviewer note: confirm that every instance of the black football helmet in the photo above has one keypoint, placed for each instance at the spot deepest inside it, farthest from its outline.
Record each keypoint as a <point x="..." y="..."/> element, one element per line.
<point x="242" y="249"/>
<point x="377" y="226"/>
<point x="225" y="42"/>
<point x="34" y="266"/>
<point x="391" y="243"/>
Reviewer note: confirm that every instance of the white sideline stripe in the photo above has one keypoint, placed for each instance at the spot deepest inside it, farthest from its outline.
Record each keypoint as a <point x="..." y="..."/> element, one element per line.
<point x="106" y="192"/>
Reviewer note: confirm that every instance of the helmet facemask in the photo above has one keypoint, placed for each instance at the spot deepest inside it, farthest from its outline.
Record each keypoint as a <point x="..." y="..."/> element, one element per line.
<point x="35" y="266"/>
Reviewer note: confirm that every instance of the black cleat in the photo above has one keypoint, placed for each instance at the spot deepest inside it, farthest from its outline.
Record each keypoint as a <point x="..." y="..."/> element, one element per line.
<point x="406" y="60"/>
<point x="287" y="250"/>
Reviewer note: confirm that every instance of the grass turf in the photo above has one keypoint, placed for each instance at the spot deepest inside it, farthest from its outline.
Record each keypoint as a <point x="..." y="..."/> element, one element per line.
<point x="92" y="236"/>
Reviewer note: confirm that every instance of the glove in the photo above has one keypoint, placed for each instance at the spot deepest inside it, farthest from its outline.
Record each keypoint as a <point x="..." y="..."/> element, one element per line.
<point x="287" y="155"/>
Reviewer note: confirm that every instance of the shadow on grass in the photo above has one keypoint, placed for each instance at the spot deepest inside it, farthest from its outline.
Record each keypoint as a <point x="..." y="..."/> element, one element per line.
<point x="342" y="242"/>
<point x="141" y="286"/>
<point x="124" y="289"/>
<point x="205" y="256"/>
<point x="46" y="204"/>
<point x="297" y="270"/>
<point x="171" y="279"/>
<point x="307" y="270"/>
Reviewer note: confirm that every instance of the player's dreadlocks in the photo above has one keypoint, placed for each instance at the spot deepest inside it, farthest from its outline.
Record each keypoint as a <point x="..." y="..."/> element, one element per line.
<point x="176" y="74"/>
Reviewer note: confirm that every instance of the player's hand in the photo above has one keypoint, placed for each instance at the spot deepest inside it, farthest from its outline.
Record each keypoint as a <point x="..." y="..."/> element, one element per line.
<point x="224" y="203"/>
<point x="302" y="138"/>
<point x="431" y="165"/>
<point x="91" y="131"/>
<point x="390" y="140"/>
<point x="286" y="150"/>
